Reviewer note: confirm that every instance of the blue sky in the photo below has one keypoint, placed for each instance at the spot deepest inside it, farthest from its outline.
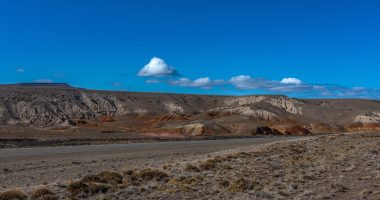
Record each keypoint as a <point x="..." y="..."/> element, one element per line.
<point x="301" y="48"/>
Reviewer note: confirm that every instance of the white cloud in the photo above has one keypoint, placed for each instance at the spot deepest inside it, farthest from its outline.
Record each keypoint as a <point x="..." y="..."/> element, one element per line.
<point x="294" y="86"/>
<point x="246" y="82"/>
<point x="203" y="82"/>
<point x="242" y="82"/>
<point x="291" y="81"/>
<point x="157" y="67"/>
<point x="43" y="81"/>
<point x="20" y="70"/>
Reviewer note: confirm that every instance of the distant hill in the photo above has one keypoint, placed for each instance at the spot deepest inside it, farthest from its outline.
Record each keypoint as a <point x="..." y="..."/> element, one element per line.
<point x="58" y="105"/>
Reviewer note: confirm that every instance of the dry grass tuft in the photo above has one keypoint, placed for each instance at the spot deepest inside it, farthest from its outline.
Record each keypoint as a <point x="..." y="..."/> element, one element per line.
<point x="153" y="174"/>
<point x="93" y="178"/>
<point x="14" y="194"/>
<point x="167" y="166"/>
<point x="183" y="184"/>
<point x="42" y="194"/>
<point x="239" y="185"/>
<point x="111" y="177"/>
<point x="192" y="168"/>
<point x="209" y="164"/>
<point x="186" y="180"/>
<point x="79" y="187"/>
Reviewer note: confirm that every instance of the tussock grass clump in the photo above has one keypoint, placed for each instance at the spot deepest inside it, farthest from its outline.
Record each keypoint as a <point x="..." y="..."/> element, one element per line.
<point x="192" y="168"/>
<point x="14" y="194"/>
<point x="79" y="187"/>
<point x="239" y="185"/>
<point x="76" y="187"/>
<point x="93" y="184"/>
<point x="210" y="164"/>
<point x="42" y="193"/>
<point x="183" y="183"/>
<point x="111" y="177"/>
<point x="167" y="166"/>
<point x="128" y="172"/>
<point x="186" y="180"/>
<point x="93" y="178"/>
<point x="153" y="174"/>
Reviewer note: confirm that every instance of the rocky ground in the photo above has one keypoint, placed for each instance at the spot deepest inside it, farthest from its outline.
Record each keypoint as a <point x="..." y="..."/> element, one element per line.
<point x="339" y="166"/>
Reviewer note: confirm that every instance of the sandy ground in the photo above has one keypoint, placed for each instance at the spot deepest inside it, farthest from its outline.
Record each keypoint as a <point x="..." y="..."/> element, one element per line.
<point x="25" y="167"/>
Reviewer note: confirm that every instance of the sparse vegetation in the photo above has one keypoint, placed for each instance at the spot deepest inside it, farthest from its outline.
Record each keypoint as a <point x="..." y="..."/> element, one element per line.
<point x="208" y="164"/>
<point x="192" y="168"/>
<point x="13" y="194"/>
<point x="153" y="174"/>
<point x="239" y="185"/>
<point x="111" y="177"/>
<point x="79" y="187"/>
<point x="42" y="193"/>
<point x="167" y="166"/>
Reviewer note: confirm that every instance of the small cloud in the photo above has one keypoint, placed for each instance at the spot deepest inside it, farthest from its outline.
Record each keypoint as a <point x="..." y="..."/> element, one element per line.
<point x="20" y="70"/>
<point x="157" y="67"/>
<point x="242" y="82"/>
<point x="43" y="81"/>
<point x="246" y="82"/>
<point x="203" y="82"/>
<point x="291" y="81"/>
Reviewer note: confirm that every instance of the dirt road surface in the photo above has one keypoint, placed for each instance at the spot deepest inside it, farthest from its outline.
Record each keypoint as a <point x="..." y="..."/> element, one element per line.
<point x="24" y="167"/>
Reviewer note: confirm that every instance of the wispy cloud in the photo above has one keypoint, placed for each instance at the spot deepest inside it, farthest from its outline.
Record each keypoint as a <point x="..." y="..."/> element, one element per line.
<point x="294" y="86"/>
<point x="157" y="67"/>
<point x="203" y="82"/>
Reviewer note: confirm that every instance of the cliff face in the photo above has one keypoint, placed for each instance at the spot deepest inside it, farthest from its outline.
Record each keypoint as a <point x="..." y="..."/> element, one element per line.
<point x="35" y="106"/>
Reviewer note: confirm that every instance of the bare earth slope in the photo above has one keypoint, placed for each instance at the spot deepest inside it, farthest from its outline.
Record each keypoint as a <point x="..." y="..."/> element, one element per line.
<point x="60" y="110"/>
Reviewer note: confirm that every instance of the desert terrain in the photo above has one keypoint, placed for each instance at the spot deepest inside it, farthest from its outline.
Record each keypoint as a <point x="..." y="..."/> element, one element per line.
<point x="336" y="166"/>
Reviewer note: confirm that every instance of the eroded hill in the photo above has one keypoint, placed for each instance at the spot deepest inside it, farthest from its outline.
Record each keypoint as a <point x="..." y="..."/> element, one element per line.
<point x="67" y="109"/>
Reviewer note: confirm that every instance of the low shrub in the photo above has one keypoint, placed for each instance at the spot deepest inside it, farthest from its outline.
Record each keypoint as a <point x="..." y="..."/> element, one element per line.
<point x="42" y="194"/>
<point x="208" y="164"/>
<point x="153" y="174"/>
<point x="79" y="187"/>
<point x="192" y="168"/>
<point x="14" y="194"/>
<point x="239" y="185"/>
<point x="111" y="177"/>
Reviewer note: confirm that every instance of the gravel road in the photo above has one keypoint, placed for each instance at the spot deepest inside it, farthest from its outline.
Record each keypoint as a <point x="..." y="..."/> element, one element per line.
<point x="24" y="167"/>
